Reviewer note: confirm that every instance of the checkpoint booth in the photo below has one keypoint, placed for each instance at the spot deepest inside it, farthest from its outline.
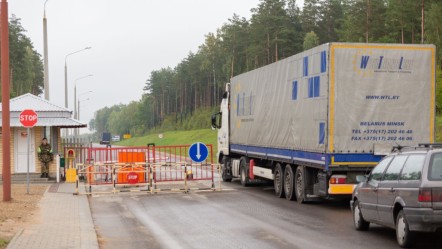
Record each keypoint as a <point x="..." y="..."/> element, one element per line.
<point x="51" y="120"/>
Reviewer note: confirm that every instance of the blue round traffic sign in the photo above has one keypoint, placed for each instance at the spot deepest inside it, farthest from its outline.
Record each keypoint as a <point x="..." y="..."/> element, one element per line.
<point x="198" y="152"/>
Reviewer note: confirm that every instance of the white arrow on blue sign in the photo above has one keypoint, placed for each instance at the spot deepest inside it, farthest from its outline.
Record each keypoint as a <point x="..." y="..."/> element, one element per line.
<point x="198" y="152"/>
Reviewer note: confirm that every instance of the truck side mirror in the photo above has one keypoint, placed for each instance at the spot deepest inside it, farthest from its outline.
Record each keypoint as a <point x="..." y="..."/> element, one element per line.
<point x="215" y="124"/>
<point x="214" y="121"/>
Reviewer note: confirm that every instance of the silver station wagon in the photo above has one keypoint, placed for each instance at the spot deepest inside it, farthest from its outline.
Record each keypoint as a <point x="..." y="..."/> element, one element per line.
<point x="404" y="192"/>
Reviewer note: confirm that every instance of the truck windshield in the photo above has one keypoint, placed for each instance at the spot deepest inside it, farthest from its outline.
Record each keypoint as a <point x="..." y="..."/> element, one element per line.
<point x="435" y="170"/>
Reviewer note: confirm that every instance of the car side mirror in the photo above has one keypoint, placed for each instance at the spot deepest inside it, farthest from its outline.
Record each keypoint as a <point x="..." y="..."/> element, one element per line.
<point x="360" y="179"/>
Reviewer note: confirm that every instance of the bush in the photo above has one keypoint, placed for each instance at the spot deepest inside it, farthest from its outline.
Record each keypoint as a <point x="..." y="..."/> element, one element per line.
<point x="199" y="119"/>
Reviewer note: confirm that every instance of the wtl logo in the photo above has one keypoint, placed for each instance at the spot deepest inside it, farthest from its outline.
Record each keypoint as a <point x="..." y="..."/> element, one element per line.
<point x="382" y="63"/>
<point x="367" y="64"/>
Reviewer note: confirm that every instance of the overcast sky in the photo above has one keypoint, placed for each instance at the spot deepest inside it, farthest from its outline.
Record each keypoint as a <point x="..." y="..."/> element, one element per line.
<point x="129" y="39"/>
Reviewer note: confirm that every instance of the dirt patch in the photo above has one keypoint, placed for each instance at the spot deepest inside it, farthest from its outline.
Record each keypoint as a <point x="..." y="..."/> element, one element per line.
<point x="20" y="212"/>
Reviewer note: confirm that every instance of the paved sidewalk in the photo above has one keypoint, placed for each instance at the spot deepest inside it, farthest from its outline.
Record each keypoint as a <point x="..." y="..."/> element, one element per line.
<point x="66" y="222"/>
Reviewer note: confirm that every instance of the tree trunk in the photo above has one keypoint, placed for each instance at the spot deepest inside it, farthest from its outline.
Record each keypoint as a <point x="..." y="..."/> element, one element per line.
<point x="367" y="22"/>
<point x="412" y="35"/>
<point x="402" y="23"/>
<point x="422" y="23"/>
<point x="268" y="49"/>
<point x="232" y="64"/>
<point x="215" y="96"/>
<point x="276" y="48"/>
<point x="196" y="101"/>
<point x="162" y="107"/>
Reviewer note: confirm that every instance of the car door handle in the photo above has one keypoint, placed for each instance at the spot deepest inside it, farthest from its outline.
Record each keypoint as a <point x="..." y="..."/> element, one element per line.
<point x="392" y="190"/>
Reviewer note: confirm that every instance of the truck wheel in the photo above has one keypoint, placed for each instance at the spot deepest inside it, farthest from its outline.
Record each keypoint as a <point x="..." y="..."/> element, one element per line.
<point x="245" y="181"/>
<point x="403" y="234"/>
<point x="289" y="186"/>
<point x="225" y="167"/>
<point x="358" y="220"/>
<point x="300" y="184"/>
<point x="279" y="181"/>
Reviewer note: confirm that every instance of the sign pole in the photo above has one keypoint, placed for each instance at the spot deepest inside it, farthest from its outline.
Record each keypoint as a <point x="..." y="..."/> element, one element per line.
<point x="28" y="118"/>
<point x="28" y="134"/>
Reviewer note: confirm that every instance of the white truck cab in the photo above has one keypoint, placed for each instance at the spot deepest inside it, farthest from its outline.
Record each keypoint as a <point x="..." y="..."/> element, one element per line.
<point x="220" y="121"/>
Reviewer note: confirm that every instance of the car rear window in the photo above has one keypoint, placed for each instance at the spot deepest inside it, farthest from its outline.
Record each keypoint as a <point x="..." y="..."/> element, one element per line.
<point x="435" y="170"/>
<point x="413" y="168"/>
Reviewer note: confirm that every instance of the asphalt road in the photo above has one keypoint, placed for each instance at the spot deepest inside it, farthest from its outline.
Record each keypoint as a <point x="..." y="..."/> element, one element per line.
<point x="241" y="217"/>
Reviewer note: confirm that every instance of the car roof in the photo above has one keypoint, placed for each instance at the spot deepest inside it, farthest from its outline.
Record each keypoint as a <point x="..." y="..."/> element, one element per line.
<point x="421" y="149"/>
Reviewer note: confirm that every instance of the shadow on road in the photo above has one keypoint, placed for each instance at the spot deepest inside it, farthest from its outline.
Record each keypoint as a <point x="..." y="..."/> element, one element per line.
<point x="423" y="240"/>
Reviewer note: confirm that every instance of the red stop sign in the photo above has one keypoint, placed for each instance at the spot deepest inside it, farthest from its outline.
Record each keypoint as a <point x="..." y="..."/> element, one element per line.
<point x="28" y="118"/>
<point x="132" y="178"/>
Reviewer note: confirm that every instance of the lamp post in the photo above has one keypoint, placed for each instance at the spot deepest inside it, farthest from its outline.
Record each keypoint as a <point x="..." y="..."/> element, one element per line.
<point x="75" y="92"/>
<point x="45" y="52"/>
<point x="66" y="74"/>
<point x="79" y="102"/>
<point x="6" y="135"/>
<point x="77" y="111"/>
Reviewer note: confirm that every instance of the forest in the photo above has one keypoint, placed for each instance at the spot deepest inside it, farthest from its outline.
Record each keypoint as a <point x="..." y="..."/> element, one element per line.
<point x="26" y="66"/>
<point x="275" y="30"/>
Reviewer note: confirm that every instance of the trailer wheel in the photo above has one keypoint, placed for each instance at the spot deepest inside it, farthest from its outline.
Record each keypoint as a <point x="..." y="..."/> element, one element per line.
<point x="289" y="180"/>
<point x="279" y="181"/>
<point x="300" y="184"/>
<point x="245" y="181"/>
<point x="225" y="168"/>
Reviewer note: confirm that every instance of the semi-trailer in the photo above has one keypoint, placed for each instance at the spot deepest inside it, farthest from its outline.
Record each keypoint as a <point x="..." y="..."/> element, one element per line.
<point x="314" y="121"/>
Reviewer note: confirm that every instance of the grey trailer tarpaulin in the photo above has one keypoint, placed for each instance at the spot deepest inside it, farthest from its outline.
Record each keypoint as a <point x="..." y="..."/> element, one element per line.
<point x="337" y="98"/>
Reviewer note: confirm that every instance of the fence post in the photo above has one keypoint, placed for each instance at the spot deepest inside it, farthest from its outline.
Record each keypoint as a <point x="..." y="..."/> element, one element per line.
<point x="219" y="177"/>
<point x="154" y="176"/>
<point x="213" y="180"/>
<point x="153" y="151"/>
<point x="185" y="178"/>
<point x="113" y="177"/>
<point x="150" y="179"/>
<point x="57" y="165"/>
<point x="76" y="183"/>
<point x="90" y="177"/>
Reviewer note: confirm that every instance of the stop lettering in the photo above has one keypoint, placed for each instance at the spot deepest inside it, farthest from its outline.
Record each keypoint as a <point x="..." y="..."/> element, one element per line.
<point x="28" y="118"/>
<point x="132" y="178"/>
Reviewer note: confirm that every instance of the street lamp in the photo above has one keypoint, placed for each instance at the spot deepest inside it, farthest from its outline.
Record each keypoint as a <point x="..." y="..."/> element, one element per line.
<point x="47" y="130"/>
<point x="78" y="113"/>
<point x="45" y="52"/>
<point x="75" y="92"/>
<point x="66" y="74"/>
<point x="79" y="95"/>
<point x="79" y="102"/>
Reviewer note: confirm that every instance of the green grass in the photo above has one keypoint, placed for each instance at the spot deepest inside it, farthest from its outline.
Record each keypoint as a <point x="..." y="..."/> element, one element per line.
<point x="438" y="129"/>
<point x="3" y="243"/>
<point x="206" y="136"/>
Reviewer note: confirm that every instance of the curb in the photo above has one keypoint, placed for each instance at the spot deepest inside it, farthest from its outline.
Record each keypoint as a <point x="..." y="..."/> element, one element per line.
<point x="17" y="234"/>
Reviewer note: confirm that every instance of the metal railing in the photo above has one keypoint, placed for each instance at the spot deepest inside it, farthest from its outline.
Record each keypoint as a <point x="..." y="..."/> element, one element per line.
<point x="150" y="177"/>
